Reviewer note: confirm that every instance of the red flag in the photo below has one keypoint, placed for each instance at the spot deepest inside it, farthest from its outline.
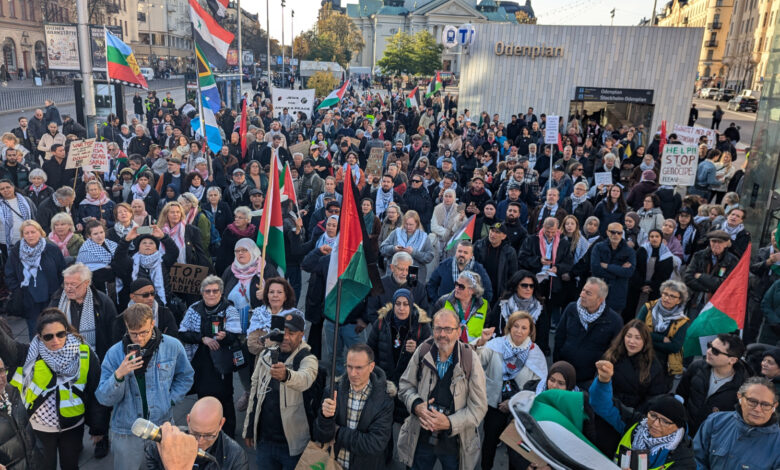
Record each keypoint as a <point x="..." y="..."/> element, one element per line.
<point x="560" y="143"/>
<point x="242" y="129"/>
<point x="288" y="187"/>
<point x="662" y="143"/>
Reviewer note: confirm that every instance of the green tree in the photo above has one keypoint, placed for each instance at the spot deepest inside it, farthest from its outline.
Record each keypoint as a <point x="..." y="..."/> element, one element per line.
<point x="417" y="54"/>
<point x="338" y="29"/>
<point x="426" y="53"/>
<point x="323" y="83"/>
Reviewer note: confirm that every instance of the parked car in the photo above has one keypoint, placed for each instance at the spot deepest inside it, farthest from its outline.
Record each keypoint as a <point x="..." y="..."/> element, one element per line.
<point x="148" y="73"/>
<point x="704" y="92"/>
<point x="743" y="103"/>
<point x="724" y="94"/>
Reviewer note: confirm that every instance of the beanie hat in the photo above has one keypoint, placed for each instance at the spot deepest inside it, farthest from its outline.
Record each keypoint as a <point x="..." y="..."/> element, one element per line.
<point x="774" y="353"/>
<point x="648" y="175"/>
<point x="404" y="293"/>
<point x="148" y="236"/>
<point x="567" y="371"/>
<point x="670" y="408"/>
<point x="139" y="283"/>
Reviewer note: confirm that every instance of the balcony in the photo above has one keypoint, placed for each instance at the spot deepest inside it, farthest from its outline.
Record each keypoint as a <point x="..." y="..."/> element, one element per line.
<point x="711" y="43"/>
<point x="714" y="25"/>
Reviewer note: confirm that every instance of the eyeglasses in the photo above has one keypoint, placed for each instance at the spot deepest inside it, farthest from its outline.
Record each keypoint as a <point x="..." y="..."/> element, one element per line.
<point x="615" y="232"/>
<point x="211" y="291"/>
<point x="718" y="352"/>
<point x="460" y="285"/>
<point x="753" y="403"/>
<point x="50" y="336"/>
<point x="670" y="296"/>
<point x="240" y="250"/>
<point x="71" y="285"/>
<point x="427" y="173"/>
<point x="447" y="330"/>
<point x="525" y="285"/>
<point x="653" y="416"/>
<point x="206" y="437"/>
<point x="140" y="334"/>
<point x="145" y="295"/>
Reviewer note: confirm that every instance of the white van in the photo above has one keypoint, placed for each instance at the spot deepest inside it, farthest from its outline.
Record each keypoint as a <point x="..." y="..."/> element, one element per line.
<point x="147" y="72"/>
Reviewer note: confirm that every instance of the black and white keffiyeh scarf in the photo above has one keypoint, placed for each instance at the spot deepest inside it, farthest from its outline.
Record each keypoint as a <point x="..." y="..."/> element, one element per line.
<point x="586" y="318"/>
<point x="237" y="191"/>
<point x="30" y="257"/>
<point x="122" y="231"/>
<point x="456" y="272"/>
<point x="662" y="317"/>
<point x="153" y="264"/>
<point x="642" y="440"/>
<point x="516" y="304"/>
<point x="514" y="357"/>
<point x="64" y="364"/>
<point x="383" y="200"/>
<point x="576" y="201"/>
<point x="86" y="324"/>
<point x="96" y="256"/>
<point x="7" y="214"/>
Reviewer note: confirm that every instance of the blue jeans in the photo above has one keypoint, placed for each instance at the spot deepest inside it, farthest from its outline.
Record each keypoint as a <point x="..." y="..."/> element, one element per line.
<point x="128" y="451"/>
<point x="275" y="456"/>
<point x="347" y="338"/>
<point x="425" y="457"/>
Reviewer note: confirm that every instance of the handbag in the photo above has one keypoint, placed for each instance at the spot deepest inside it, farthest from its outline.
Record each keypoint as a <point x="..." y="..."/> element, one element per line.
<point x="319" y="456"/>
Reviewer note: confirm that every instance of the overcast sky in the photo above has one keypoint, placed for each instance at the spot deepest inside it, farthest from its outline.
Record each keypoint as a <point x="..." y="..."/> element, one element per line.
<point x="585" y="12"/>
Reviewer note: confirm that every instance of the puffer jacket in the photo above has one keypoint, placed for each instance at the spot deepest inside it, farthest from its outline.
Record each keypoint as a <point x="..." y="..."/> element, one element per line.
<point x="725" y="442"/>
<point x="469" y="397"/>
<point x="227" y="452"/>
<point x="367" y="442"/>
<point x="18" y="445"/>
<point x="694" y="386"/>
<point x="380" y="340"/>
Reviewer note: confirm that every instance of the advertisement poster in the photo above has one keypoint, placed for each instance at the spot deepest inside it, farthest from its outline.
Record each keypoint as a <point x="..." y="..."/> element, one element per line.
<point x="62" y="46"/>
<point x="232" y="57"/>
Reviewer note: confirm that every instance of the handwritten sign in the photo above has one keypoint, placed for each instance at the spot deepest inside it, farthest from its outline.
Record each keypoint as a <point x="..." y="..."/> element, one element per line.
<point x="551" y="130"/>
<point x="79" y="154"/>
<point x="602" y="177"/>
<point x="302" y="148"/>
<point x="374" y="165"/>
<point x="99" y="160"/>
<point x="186" y="278"/>
<point x="355" y="142"/>
<point x="678" y="165"/>
<point x="691" y="135"/>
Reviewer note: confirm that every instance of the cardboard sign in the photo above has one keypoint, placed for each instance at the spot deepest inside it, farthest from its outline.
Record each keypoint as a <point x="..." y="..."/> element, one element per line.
<point x="678" y="165"/>
<point x="602" y="177"/>
<point x="80" y="153"/>
<point x="302" y="147"/>
<point x="355" y="142"/>
<point x="551" y="130"/>
<point x="99" y="160"/>
<point x="374" y="165"/>
<point x="691" y="135"/>
<point x="512" y="439"/>
<point x="186" y="278"/>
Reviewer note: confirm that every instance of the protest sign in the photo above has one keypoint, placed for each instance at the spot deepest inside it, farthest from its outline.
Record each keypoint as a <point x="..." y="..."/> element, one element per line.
<point x="551" y="131"/>
<point x="354" y="142"/>
<point x="293" y="100"/>
<point x="691" y="135"/>
<point x="302" y="147"/>
<point x="602" y="177"/>
<point x="374" y="166"/>
<point x="186" y="278"/>
<point x="678" y="165"/>
<point x="99" y="159"/>
<point x="79" y="154"/>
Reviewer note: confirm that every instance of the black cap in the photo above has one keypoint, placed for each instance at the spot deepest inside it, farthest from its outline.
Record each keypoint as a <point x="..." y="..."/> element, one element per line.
<point x="499" y="227"/>
<point x="670" y="408"/>
<point x="685" y="210"/>
<point x="294" y="322"/>
<point x="139" y="283"/>
<point x="255" y="191"/>
<point x="558" y="168"/>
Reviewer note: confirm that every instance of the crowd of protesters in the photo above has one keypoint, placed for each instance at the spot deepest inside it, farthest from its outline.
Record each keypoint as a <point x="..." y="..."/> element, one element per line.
<point x="563" y="285"/>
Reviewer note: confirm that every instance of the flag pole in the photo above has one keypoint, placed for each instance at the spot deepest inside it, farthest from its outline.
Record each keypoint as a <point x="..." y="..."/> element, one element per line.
<point x="197" y="80"/>
<point x="335" y="337"/>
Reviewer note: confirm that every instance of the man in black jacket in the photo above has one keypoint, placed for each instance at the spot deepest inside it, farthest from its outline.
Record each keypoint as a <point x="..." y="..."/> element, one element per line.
<point x="69" y="126"/>
<point x="417" y="198"/>
<point x="709" y="268"/>
<point x="711" y="384"/>
<point x="497" y="256"/>
<point x="140" y="143"/>
<point x="25" y="135"/>
<point x="275" y="148"/>
<point x="396" y="279"/>
<point x="359" y="417"/>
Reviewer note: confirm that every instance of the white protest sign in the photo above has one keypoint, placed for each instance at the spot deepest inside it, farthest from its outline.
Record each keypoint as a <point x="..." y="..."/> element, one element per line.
<point x="293" y="100"/>
<point x="99" y="159"/>
<point x="602" y="177"/>
<point x="691" y="135"/>
<point x="678" y="165"/>
<point x="551" y="131"/>
<point x="79" y="154"/>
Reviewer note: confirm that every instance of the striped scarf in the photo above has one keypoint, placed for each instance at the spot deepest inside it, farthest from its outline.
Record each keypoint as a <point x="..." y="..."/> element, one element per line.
<point x="96" y="256"/>
<point x="7" y="214"/>
<point x="86" y="324"/>
<point x="30" y="256"/>
<point x="586" y="318"/>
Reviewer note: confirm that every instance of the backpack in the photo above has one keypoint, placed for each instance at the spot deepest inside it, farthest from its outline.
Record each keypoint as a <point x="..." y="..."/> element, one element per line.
<point x="464" y="360"/>
<point x="312" y="397"/>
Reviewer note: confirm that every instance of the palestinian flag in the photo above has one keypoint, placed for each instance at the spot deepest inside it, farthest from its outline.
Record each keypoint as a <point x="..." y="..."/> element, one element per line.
<point x="270" y="236"/>
<point x="411" y="98"/>
<point x="434" y="86"/>
<point x="348" y="269"/>
<point x="465" y="233"/>
<point x="549" y="430"/>
<point x="724" y="313"/>
<point x="287" y="185"/>
<point x="334" y="97"/>
<point x="121" y="63"/>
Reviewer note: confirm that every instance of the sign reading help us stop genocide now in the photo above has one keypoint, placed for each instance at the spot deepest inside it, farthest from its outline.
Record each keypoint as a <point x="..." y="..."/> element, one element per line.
<point x="678" y="165"/>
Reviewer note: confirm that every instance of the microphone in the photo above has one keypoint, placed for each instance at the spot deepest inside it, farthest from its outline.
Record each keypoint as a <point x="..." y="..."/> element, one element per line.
<point x="149" y="431"/>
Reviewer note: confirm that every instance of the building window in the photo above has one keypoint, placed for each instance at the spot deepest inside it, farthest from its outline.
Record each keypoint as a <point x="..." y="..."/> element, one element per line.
<point x="32" y="10"/>
<point x="9" y="55"/>
<point x="11" y="9"/>
<point x="24" y="12"/>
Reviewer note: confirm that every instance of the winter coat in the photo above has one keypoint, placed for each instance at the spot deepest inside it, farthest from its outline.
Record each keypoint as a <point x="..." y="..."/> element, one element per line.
<point x="469" y="396"/>
<point x="151" y="200"/>
<point x="530" y="257"/>
<point x="507" y="263"/>
<point x="670" y="202"/>
<point x="105" y="316"/>
<point x="663" y="271"/>
<point x="380" y="339"/>
<point x="122" y="264"/>
<point x="711" y="275"/>
<point x="19" y="447"/>
<point x="441" y="282"/>
<point x="223" y="216"/>
<point x="637" y="195"/>
<point x="103" y="212"/>
<point x="47" y="280"/>
<point x="376" y="302"/>
<point x="38" y="198"/>
<point x="225" y="255"/>
<point x="725" y="442"/>
<point x="629" y="389"/>
<point x="582" y="212"/>
<point x="421" y="257"/>
<point x="694" y="386"/>
<point x="583" y="348"/>
<point x="649" y="220"/>
<point x="606" y="217"/>
<point x="367" y="442"/>
<point x="420" y="201"/>
<point x="668" y="354"/>
<point x="614" y="274"/>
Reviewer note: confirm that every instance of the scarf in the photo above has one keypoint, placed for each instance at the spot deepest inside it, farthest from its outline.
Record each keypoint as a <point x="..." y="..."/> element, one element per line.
<point x="355" y="171"/>
<point x="122" y="231"/>
<point x="237" y="192"/>
<point x="153" y="264"/>
<point x="245" y="233"/>
<point x="647" y="166"/>
<point x="642" y="440"/>
<point x="37" y="189"/>
<point x="245" y="272"/>
<point x="514" y="357"/>
<point x="586" y="318"/>
<point x="733" y="232"/>
<point x="30" y="257"/>
<point x="577" y="201"/>
<point x="552" y="209"/>
<point x="96" y="256"/>
<point x="203" y="173"/>
<point x="197" y="191"/>
<point x="663" y="317"/>
<point x="416" y="240"/>
<point x="261" y="318"/>
<point x="100" y="201"/>
<point x="7" y="214"/>
<point x="197" y="311"/>
<point x="177" y="234"/>
<point x="147" y="351"/>
<point x="544" y="248"/>
<point x="64" y="362"/>
<point x="662" y="252"/>
<point x="86" y="324"/>
<point x="326" y="239"/>
<point x="383" y="200"/>
<point x="139" y="193"/>
<point x="61" y="244"/>
<point x="368" y="220"/>
<point x="516" y="304"/>
<point x="456" y="272"/>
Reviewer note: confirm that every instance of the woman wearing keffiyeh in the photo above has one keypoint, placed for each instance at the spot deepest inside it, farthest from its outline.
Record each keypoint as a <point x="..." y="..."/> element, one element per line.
<point x="96" y="253"/>
<point x="411" y="238"/>
<point x="14" y="209"/>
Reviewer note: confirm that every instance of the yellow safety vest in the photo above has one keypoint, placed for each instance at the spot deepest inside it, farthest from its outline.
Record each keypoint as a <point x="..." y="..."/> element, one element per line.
<point x="475" y="323"/>
<point x="626" y="442"/>
<point x="70" y="397"/>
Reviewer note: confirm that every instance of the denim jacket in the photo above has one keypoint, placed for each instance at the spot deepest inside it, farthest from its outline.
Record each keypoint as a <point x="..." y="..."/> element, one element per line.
<point x="168" y="378"/>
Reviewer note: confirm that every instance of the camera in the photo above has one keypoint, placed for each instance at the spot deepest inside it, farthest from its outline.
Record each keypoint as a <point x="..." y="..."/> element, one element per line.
<point x="412" y="276"/>
<point x="434" y="439"/>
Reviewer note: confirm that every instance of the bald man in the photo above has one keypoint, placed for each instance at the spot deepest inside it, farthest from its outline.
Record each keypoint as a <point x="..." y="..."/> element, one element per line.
<point x="614" y="261"/>
<point x="205" y="423"/>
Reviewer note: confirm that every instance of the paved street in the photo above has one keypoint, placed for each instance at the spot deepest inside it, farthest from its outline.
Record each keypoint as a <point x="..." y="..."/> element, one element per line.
<point x="746" y="121"/>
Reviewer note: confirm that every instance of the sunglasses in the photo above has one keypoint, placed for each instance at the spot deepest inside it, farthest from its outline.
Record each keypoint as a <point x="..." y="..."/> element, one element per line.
<point x="525" y="285"/>
<point x="50" y="336"/>
<point x="146" y="295"/>
<point x="416" y="181"/>
<point x="718" y="352"/>
<point x="615" y="232"/>
<point x="460" y="285"/>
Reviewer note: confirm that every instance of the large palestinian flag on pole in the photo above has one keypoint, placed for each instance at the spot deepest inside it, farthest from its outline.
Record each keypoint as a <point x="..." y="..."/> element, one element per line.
<point x="348" y="264"/>
<point x="465" y="233"/>
<point x="724" y="313"/>
<point x="121" y="63"/>
<point x="270" y="237"/>
<point x="334" y="97"/>
<point x="434" y="86"/>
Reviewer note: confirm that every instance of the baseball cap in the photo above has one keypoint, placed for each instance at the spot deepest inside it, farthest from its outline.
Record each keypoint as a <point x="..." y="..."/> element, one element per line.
<point x="293" y="322"/>
<point x="499" y="227"/>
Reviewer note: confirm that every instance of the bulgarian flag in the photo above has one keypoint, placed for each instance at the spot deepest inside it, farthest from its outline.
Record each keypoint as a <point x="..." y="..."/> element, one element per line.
<point x="348" y="269"/>
<point x="411" y="99"/>
<point x="724" y="313"/>
<point x="287" y="185"/>
<point x="335" y="96"/>
<point x="270" y="237"/>
<point x="465" y="233"/>
<point x="121" y="64"/>
<point x="434" y="86"/>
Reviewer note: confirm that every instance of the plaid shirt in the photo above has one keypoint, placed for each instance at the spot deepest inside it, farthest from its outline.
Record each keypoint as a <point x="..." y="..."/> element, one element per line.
<point x="355" y="403"/>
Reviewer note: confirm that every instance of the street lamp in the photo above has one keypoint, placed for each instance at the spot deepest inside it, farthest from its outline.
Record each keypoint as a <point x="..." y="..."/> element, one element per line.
<point x="292" y="45"/>
<point x="282" y="43"/>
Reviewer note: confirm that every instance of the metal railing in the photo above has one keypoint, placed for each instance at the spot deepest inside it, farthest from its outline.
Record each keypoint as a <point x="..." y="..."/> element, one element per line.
<point x="715" y="25"/>
<point x="711" y="43"/>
